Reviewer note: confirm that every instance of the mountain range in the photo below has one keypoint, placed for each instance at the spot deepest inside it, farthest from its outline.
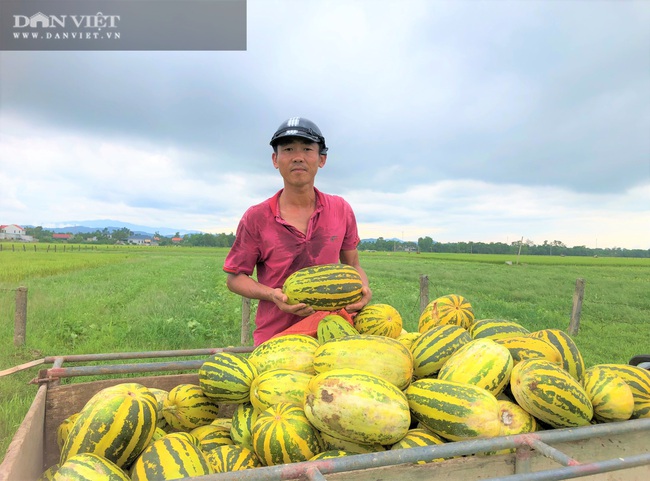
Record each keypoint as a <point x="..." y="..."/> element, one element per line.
<point x="88" y="226"/>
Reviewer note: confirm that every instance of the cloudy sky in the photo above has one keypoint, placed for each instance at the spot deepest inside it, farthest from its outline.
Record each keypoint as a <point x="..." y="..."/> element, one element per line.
<point x="459" y="120"/>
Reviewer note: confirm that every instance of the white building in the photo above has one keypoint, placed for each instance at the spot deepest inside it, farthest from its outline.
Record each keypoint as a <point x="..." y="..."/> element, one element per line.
<point x="12" y="232"/>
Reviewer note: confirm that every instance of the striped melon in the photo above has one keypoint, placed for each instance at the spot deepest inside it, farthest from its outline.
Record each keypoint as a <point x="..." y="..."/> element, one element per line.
<point x="379" y="320"/>
<point x="609" y="394"/>
<point x="357" y="406"/>
<point x="419" y="437"/>
<point x="185" y="436"/>
<point x="226" y="378"/>
<point x="157" y="434"/>
<point x="550" y="393"/>
<point x="452" y="309"/>
<point x="48" y="474"/>
<point x="528" y="347"/>
<point x="218" y="437"/>
<point x="514" y="419"/>
<point x="294" y="352"/>
<point x="454" y="410"/>
<point x="335" y="443"/>
<point x="117" y="425"/>
<point x="64" y="429"/>
<point x="227" y="458"/>
<point x="481" y="362"/>
<point x="186" y="407"/>
<point x="434" y="346"/>
<point x="89" y="467"/>
<point x="331" y="454"/>
<point x="171" y="457"/>
<point x="326" y="287"/>
<point x="408" y="338"/>
<point x="278" y="385"/>
<point x="241" y="429"/>
<point x="496" y="329"/>
<point x="160" y="395"/>
<point x="639" y="381"/>
<point x="572" y="360"/>
<point x="379" y="355"/>
<point x="283" y="434"/>
<point x="225" y="422"/>
<point x="334" y="326"/>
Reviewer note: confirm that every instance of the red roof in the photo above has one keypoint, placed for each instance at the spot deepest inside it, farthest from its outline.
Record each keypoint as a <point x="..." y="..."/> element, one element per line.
<point x="7" y="225"/>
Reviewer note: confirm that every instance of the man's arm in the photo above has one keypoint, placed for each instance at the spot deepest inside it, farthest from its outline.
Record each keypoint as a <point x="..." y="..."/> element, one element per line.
<point x="351" y="258"/>
<point x="246" y="286"/>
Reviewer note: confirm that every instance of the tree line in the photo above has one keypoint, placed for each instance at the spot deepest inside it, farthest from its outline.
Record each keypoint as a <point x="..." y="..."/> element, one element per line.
<point x="424" y="244"/>
<point x="526" y="247"/>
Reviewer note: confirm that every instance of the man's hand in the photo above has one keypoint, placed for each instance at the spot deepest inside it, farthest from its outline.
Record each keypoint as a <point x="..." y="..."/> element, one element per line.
<point x="366" y="296"/>
<point x="280" y="299"/>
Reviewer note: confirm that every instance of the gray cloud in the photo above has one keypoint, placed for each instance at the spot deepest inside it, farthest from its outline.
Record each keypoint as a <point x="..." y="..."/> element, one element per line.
<point x="539" y="94"/>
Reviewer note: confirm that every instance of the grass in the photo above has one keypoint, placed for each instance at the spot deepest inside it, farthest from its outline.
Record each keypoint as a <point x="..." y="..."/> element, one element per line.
<point x="144" y="299"/>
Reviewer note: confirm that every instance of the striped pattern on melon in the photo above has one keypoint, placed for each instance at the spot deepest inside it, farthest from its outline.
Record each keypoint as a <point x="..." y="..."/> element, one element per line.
<point x="639" y="381"/>
<point x="117" y="425"/>
<point x="451" y="309"/>
<point x="379" y="320"/>
<point x="241" y="429"/>
<point x="212" y="436"/>
<point x="225" y="459"/>
<point x="336" y="443"/>
<point x="89" y="467"/>
<point x="432" y="349"/>
<point x="609" y="394"/>
<point x="550" y="393"/>
<point x="171" y="457"/>
<point x="294" y="352"/>
<point x="326" y="287"/>
<point x="187" y="407"/>
<point x="283" y="434"/>
<point x="334" y="326"/>
<point x="454" y="410"/>
<point x="528" y="347"/>
<point x="278" y="385"/>
<point x="331" y="454"/>
<point x="379" y="355"/>
<point x="419" y="437"/>
<point x="48" y="474"/>
<point x="481" y="362"/>
<point x="357" y="406"/>
<point x="160" y="395"/>
<point x="572" y="360"/>
<point x="64" y="429"/>
<point x="226" y="378"/>
<point x="496" y="329"/>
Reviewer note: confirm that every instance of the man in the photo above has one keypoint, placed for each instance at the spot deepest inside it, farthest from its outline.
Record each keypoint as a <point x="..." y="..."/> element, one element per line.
<point x="298" y="227"/>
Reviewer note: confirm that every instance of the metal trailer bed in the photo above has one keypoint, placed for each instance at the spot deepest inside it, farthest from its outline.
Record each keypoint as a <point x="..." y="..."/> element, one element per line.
<point x="614" y="451"/>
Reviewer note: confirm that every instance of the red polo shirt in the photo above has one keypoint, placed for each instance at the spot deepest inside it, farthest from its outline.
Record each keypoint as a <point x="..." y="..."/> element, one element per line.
<point x="266" y="242"/>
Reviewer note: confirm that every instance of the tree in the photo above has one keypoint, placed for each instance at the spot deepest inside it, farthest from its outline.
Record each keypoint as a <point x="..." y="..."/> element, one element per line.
<point x="122" y="234"/>
<point x="425" y="244"/>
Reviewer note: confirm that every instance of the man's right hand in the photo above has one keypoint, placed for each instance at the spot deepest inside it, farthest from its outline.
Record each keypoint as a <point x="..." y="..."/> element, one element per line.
<point x="280" y="299"/>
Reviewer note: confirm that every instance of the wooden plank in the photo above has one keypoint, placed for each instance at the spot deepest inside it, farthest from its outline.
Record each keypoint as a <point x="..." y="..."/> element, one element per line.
<point x="24" y="457"/>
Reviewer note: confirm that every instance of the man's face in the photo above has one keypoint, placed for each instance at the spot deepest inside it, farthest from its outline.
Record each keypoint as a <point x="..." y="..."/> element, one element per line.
<point x="298" y="161"/>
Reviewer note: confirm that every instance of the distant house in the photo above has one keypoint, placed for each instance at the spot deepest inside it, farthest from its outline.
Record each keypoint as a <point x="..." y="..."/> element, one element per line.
<point x="141" y="240"/>
<point x="177" y="240"/>
<point x="62" y="236"/>
<point x="12" y="232"/>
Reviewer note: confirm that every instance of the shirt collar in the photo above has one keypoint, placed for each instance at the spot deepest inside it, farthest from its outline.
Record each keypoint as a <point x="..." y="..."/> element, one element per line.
<point x="275" y="201"/>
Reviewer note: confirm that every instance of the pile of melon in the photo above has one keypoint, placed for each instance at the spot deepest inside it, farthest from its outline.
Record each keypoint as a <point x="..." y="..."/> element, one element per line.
<point x="354" y="388"/>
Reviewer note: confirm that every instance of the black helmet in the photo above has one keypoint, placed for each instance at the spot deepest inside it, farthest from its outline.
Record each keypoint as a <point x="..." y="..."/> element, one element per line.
<point x="300" y="127"/>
